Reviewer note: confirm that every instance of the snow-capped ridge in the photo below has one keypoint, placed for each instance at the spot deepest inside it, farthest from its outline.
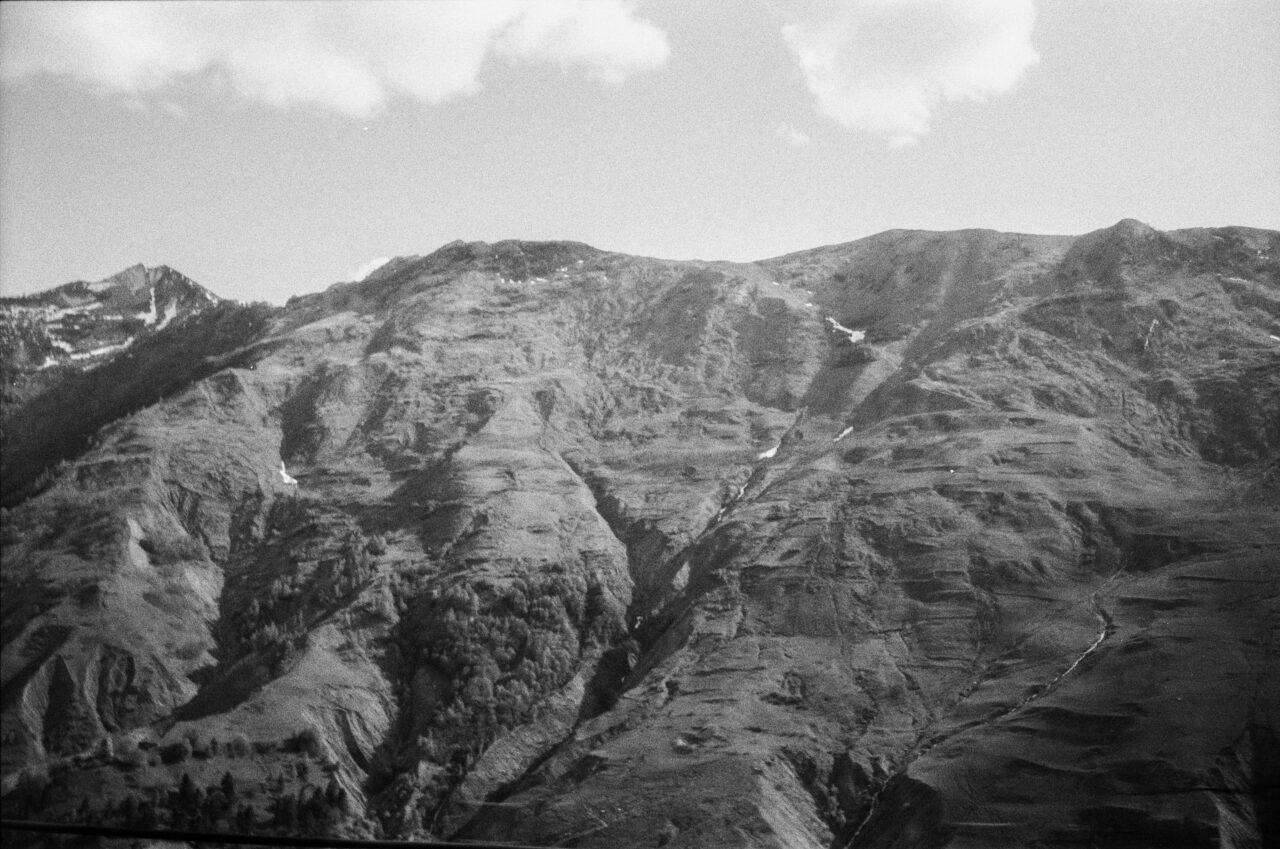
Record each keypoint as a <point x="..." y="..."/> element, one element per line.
<point x="83" y="323"/>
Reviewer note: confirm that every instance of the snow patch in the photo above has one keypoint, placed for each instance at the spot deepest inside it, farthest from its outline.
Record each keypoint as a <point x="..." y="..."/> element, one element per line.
<point x="1273" y="336"/>
<point x="169" y="313"/>
<point x="89" y="307"/>
<point x="843" y="434"/>
<point x="105" y="349"/>
<point x="289" y="480"/>
<point x="742" y="490"/>
<point x="855" y="336"/>
<point x="50" y="313"/>
<point x="772" y="452"/>
<point x="149" y="317"/>
<point x="681" y="579"/>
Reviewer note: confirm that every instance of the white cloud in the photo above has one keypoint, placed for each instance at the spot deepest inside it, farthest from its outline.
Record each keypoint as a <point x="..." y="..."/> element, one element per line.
<point x="885" y="66"/>
<point x="349" y="57"/>
<point x="793" y="136"/>
<point x="363" y="271"/>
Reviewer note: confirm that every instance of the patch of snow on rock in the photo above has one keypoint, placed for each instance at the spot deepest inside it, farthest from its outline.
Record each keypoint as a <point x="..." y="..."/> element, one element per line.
<point x="854" y="335"/>
<point x="681" y="580"/>
<point x="766" y="455"/>
<point x="51" y="314"/>
<point x="105" y="349"/>
<point x="169" y="313"/>
<point x="149" y="317"/>
<point x="843" y="434"/>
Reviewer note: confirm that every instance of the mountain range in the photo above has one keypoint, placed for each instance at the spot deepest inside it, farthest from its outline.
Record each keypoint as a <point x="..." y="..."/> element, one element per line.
<point x="963" y="539"/>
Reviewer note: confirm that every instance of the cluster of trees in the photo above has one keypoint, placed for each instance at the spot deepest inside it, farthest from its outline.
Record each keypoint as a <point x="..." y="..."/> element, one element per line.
<point x="22" y="333"/>
<point x="502" y="648"/>
<point x="320" y="568"/>
<point x="311" y="810"/>
<point x="185" y="806"/>
<point x="306" y="809"/>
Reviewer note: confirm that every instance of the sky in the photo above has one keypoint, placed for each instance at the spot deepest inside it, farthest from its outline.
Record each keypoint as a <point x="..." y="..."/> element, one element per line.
<point x="272" y="149"/>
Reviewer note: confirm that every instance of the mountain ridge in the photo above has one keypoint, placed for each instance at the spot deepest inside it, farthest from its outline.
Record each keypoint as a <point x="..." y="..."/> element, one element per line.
<point x="925" y="539"/>
<point x="87" y="306"/>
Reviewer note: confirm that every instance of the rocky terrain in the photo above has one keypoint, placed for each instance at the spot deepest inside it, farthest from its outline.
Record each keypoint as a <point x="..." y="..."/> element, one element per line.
<point x="46" y="336"/>
<point x="961" y="539"/>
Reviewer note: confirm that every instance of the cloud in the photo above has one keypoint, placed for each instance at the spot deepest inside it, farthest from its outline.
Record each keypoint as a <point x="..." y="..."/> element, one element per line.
<point x="885" y="66"/>
<point x="363" y="271"/>
<point x="793" y="136"/>
<point x="348" y="57"/>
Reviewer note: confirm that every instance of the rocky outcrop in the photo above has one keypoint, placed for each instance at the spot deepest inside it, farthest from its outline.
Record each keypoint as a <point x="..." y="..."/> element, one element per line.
<point x="928" y="539"/>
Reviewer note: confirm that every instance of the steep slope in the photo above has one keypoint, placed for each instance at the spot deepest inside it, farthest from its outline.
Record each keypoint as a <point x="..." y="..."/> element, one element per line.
<point x="929" y="539"/>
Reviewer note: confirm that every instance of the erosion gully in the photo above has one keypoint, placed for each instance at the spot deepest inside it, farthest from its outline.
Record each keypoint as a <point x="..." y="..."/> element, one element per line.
<point x="922" y="746"/>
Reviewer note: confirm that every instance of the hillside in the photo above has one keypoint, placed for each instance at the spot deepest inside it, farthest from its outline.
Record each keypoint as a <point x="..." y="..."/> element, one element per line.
<point x="928" y="539"/>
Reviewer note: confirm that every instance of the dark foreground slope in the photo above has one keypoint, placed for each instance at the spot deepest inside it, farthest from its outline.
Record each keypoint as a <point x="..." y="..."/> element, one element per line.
<point x="963" y="539"/>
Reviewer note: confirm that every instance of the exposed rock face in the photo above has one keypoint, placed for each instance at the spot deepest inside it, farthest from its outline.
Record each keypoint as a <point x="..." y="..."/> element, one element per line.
<point x="930" y="539"/>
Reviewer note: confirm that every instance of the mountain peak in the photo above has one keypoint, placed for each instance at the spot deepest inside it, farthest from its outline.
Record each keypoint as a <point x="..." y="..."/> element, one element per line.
<point x="134" y="277"/>
<point x="82" y="324"/>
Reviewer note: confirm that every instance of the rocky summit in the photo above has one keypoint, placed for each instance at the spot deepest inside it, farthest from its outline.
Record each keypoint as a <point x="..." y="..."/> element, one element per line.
<point x="963" y="539"/>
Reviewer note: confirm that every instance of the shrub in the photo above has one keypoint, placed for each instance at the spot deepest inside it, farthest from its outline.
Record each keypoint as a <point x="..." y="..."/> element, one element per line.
<point x="128" y="754"/>
<point x="198" y="747"/>
<point x="239" y="746"/>
<point x="176" y="752"/>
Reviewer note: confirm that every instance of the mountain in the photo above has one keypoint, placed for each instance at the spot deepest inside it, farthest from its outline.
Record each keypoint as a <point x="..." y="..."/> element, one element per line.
<point x="81" y="324"/>
<point x="928" y="539"/>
